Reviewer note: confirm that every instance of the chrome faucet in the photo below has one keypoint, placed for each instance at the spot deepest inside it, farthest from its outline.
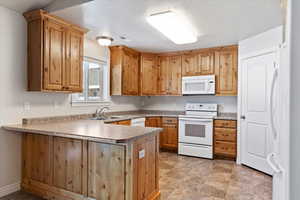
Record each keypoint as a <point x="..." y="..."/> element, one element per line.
<point x="100" y="112"/>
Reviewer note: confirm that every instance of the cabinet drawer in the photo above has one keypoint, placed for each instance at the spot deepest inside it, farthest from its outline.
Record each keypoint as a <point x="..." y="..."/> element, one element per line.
<point x="225" y="148"/>
<point x="225" y="134"/>
<point x="169" y="120"/>
<point x="225" y="123"/>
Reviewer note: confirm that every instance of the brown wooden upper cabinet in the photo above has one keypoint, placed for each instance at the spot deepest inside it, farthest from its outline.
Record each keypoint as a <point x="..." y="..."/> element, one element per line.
<point x="169" y="75"/>
<point x="55" y="53"/>
<point x="124" y="70"/>
<point x="198" y="63"/>
<point x="226" y="64"/>
<point x="149" y="75"/>
<point x="161" y="73"/>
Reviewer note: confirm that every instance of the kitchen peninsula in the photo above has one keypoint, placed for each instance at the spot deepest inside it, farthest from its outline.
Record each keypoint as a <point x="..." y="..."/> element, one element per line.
<point x="87" y="159"/>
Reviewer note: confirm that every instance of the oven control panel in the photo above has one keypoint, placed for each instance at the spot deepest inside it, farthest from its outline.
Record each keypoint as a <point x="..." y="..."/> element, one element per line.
<point x="201" y="107"/>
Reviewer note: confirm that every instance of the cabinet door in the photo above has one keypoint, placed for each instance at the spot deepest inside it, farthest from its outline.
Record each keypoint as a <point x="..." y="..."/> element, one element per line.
<point x="226" y="72"/>
<point x="54" y="55"/>
<point x="36" y="157"/>
<point x="169" y="137"/>
<point x="130" y="73"/>
<point x="190" y="65"/>
<point x="153" y="122"/>
<point x="206" y="63"/>
<point x="106" y="171"/>
<point x="74" y="63"/>
<point x="149" y="75"/>
<point x="70" y="164"/>
<point x="163" y="75"/>
<point x="174" y="75"/>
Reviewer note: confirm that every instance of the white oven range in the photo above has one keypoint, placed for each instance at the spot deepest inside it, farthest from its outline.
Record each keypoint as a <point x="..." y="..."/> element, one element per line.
<point x="196" y="130"/>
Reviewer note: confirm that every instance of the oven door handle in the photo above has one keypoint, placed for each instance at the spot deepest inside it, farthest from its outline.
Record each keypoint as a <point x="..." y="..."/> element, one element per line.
<point x="195" y="120"/>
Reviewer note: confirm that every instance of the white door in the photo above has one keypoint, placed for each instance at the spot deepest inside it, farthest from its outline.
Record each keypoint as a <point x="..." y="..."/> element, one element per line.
<point x="256" y="132"/>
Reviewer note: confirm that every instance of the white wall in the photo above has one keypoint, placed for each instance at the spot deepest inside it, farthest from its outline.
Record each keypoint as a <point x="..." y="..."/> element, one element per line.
<point x="265" y="40"/>
<point x="13" y="53"/>
<point x="226" y="104"/>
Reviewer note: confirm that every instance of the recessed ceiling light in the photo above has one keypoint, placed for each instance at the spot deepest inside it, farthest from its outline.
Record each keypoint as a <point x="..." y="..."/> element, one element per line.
<point x="173" y="26"/>
<point x="104" y="40"/>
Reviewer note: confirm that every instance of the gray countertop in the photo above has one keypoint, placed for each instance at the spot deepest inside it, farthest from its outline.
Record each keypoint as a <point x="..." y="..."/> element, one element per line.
<point x="81" y="127"/>
<point x="92" y="130"/>
<point x="128" y="115"/>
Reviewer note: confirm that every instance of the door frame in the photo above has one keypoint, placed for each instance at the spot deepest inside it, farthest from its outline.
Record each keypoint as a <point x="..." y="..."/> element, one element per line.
<point x="274" y="49"/>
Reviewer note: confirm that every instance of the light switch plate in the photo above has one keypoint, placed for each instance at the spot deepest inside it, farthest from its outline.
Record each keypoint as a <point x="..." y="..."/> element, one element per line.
<point x="142" y="154"/>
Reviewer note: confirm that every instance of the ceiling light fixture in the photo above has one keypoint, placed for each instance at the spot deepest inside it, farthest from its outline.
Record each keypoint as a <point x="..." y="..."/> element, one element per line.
<point x="104" y="40"/>
<point x="173" y="26"/>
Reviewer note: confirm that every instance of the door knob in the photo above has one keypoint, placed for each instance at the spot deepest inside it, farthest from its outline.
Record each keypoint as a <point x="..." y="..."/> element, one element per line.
<point x="243" y="117"/>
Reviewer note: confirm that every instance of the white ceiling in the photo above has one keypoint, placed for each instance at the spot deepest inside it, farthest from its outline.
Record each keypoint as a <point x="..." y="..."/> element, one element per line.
<point x="25" y="5"/>
<point x="218" y="22"/>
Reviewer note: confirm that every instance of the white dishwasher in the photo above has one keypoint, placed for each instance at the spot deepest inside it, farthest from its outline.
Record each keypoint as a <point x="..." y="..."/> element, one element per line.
<point x="138" y="122"/>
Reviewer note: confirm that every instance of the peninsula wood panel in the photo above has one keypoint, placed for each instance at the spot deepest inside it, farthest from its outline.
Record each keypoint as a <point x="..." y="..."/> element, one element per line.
<point x="226" y="71"/>
<point x="73" y="169"/>
<point x="106" y="182"/>
<point x="69" y="164"/>
<point x="37" y="158"/>
<point x="149" y="74"/>
<point x="146" y="171"/>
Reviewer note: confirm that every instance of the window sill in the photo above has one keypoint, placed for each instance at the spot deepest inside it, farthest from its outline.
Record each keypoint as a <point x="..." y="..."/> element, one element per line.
<point x="90" y="103"/>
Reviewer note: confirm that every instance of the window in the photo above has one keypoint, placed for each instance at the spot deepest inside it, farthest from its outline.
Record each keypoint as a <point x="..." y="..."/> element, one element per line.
<point x="94" y="82"/>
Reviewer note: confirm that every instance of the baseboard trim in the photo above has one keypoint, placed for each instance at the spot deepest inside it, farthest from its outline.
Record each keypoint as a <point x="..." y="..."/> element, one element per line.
<point x="8" y="189"/>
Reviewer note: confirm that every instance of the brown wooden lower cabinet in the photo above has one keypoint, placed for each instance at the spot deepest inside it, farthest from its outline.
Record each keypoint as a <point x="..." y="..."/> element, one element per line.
<point x="225" y="138"/>
<point x="153" y="122"/>
<point x="169" y="136"/>
<point x="59" y="168"/>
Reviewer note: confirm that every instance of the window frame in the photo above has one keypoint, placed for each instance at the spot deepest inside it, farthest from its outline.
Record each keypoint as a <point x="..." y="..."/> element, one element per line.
<point x="104" y="99"/>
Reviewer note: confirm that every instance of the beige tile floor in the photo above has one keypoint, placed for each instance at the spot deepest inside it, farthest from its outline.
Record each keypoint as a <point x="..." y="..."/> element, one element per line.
<point x="187" y="178"/>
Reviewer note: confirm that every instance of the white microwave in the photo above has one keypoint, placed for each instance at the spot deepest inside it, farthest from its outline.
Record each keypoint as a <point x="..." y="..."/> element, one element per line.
<point x="193" y="85"/>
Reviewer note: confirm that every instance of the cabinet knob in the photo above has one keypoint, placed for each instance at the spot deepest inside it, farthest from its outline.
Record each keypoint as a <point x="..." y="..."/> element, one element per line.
<point x="243" y="117"/>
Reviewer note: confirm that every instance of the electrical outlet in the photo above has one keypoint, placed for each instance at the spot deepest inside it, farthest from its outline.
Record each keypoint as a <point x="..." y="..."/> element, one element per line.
<point x="142" y="154"/>
<point x="26" y="106"/>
